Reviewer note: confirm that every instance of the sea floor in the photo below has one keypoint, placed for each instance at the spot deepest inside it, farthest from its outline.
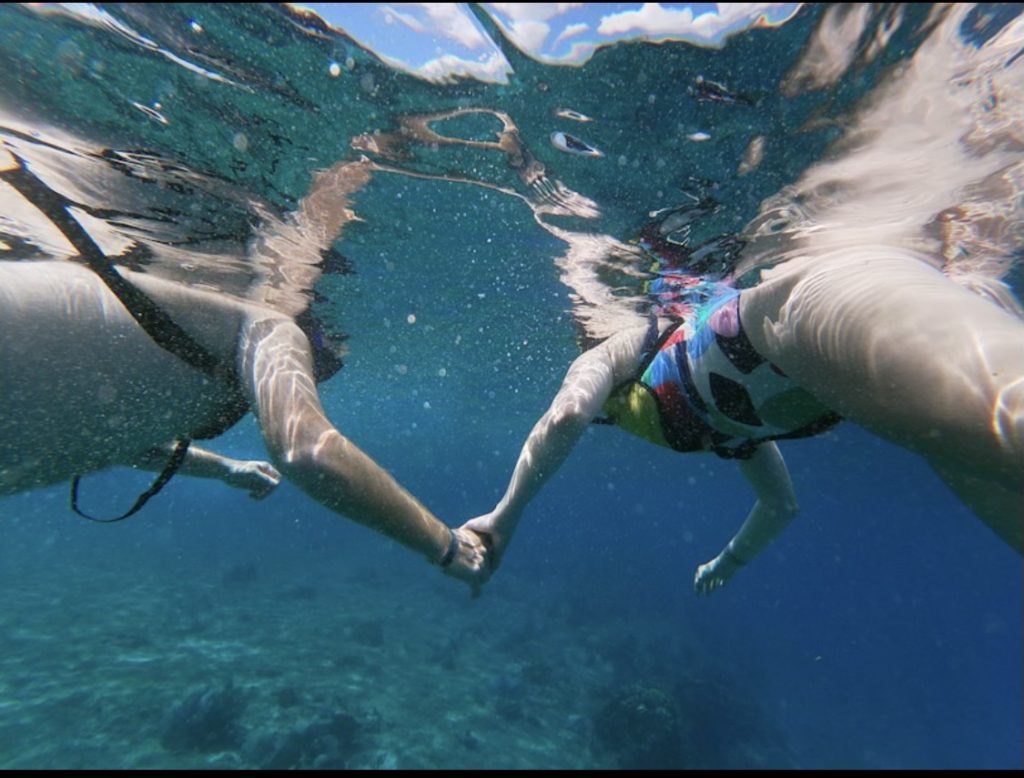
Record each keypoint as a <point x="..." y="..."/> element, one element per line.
<point x="253" y="665"/>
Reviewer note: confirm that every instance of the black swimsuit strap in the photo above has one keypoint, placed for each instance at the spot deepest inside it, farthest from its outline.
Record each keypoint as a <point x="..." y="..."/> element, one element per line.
<point x="657" y="344"/>
<point x="177" y="457"/>
<point x="157" y="324"/>
<point x="164" y="331"/>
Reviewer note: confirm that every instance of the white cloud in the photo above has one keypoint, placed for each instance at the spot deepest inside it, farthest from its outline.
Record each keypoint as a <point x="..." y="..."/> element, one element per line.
<point x="537" y="12"/>
<point x="391" y="15"/>
<point x="570" y="31"/>
<point x="453" y="22"/>
<point x="529" y="35"/>
<point x="445" y="20"/>
<point x="494" y="68"/>
<point x="581" y="51"/>
<point x="655" y="20"/>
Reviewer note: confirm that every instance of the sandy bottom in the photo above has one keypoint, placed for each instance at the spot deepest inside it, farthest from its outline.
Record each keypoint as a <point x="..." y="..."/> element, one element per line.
<point x="366" y="671"/>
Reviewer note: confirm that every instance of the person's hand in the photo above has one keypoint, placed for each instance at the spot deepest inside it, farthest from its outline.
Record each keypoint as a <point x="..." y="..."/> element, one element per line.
<point x="471" y="562"/>
<point x="486" y="526"/>
<point x="714" y="574"/>
<point x="259" y="478"/>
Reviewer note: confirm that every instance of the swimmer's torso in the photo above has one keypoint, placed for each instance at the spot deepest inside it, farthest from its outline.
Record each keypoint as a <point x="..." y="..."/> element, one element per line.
<point x="83" y="386"/>
<point x="704" y="388"/>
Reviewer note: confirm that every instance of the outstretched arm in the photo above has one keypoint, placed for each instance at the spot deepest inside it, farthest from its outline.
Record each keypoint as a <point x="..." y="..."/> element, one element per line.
<point x="277" y="372"/>
<point x="257" y="477"/>
<point x="586" y="386"/>
<point x="775" y="508"/>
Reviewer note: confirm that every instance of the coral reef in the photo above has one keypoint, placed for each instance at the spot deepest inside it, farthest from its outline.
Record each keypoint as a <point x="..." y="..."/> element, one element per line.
<point x="357" y="677"/>
<point x="206" y="720"/>
<point x="639" y="727"/>
<point x="324" y="744"/>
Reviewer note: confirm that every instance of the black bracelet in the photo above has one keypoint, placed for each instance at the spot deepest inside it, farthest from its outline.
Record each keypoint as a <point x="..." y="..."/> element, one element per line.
<point x="735" y="559"/>
<point x="453" y="546"/>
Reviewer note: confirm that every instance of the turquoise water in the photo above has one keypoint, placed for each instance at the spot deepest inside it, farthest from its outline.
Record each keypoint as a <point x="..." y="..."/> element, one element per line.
<point x="882" y="630"/>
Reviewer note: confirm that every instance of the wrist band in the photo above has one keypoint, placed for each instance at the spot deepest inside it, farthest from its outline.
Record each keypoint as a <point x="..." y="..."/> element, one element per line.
<point x="735" y="559"/>
<point x="453" y="546"/>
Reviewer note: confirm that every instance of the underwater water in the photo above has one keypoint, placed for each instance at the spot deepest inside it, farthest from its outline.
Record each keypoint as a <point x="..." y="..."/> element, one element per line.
<point x="883" y="629"/>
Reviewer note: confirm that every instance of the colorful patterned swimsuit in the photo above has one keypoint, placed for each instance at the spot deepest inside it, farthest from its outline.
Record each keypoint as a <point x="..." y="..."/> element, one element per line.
<point x="701" y="386"/>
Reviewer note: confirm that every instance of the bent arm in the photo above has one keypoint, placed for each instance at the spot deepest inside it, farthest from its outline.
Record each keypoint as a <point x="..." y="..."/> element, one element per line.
<point x="774" y="510"/>
<point x="277" y="373"/>
<point x="259" y="478"/>
<point x="587" y="385"/>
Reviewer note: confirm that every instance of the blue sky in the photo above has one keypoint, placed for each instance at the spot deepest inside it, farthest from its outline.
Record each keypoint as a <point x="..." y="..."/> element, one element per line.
<point x="437" y="39"/>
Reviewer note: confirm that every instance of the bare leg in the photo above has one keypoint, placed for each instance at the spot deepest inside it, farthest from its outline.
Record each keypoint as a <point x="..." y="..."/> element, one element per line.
<point x="895" y="346"/>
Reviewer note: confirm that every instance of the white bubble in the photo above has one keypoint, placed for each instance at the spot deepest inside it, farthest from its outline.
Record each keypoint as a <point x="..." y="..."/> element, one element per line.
<point x="196" y="26"/>
<point x="426" y="405"/>
<point x="106" y="393"/>
<point x="240" y="142"/>
<point x="411" y="318"/>
<point x="442" y="372"/>
<point x="334" y="69"/>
